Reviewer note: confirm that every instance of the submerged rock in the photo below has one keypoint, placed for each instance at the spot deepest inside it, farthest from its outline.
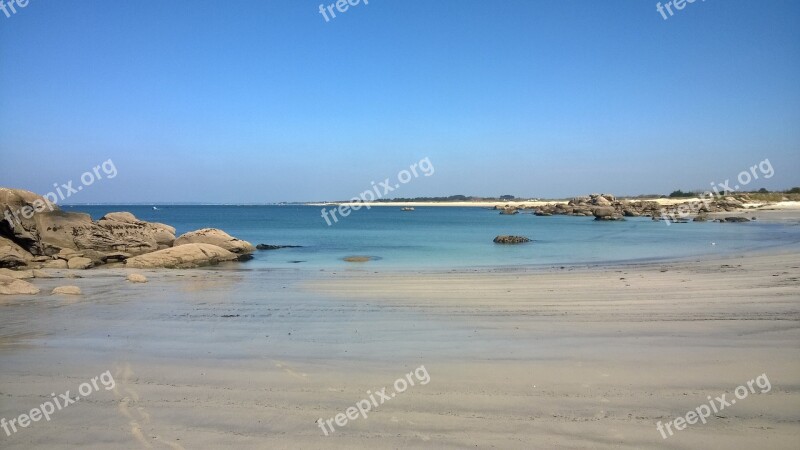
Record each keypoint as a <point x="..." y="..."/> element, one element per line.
<point x="359" y="258"/>
<point x="275" y="247"/>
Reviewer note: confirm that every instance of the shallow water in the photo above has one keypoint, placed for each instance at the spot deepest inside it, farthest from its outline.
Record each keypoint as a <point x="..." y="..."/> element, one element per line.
<point x="452" y="237"/>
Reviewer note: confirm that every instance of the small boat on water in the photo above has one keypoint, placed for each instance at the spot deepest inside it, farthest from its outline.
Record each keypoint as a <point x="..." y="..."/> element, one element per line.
<point x="407" y="208"/>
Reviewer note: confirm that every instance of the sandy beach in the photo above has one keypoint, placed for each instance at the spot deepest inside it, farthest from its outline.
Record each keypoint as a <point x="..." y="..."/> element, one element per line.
<point x="390" y="225"/>
<point x="580" y="357"/>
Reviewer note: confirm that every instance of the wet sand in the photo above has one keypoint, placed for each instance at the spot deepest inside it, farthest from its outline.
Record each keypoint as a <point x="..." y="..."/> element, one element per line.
<point x="580" y="357"/>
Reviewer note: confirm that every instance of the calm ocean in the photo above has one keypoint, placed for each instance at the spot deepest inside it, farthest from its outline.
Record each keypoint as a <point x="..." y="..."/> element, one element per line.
<point x="453" y="237"/>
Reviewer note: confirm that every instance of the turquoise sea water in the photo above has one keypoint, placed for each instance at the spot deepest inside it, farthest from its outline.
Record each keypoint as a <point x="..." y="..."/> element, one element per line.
<point x="454" y="237"/>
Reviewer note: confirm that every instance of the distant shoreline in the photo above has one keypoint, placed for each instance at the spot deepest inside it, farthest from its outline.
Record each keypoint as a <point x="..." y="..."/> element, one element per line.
<point x="783" y="205"/>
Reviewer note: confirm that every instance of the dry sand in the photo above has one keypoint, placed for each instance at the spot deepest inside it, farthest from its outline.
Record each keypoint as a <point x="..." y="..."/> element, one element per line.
<point x="548" y="358"/>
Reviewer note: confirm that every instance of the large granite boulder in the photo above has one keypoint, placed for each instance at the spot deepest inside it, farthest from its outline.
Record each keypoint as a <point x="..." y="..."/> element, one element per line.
<point x="606" y="213"/>
<point x="12" y="255"/>
<point x="126" y="226"/>
<point x="216" y="237"/>
<point x="62" y="230"/>
<point x="18" y="209"/>
<point x="185" y="256"/>
<point x="13" y="286"/>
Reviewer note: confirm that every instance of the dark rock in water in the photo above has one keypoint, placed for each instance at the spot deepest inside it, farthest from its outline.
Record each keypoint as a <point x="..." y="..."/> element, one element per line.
<point x="511" y="240"/>
<point x="701" y="218"/>
<point x="737" y="219"/>
<point x="244" y="257"/>
<point x="509" y="211"/>
<point x="275" y="247"/>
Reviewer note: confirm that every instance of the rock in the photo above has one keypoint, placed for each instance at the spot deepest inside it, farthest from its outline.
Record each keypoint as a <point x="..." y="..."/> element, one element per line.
<point x="13" y="286"/>
<point x="700" y="218"/>
<point x="79" y="262"/>
<point x="67" y="290"/>
<point x="216" y="237"/>
<point x="511" y="240"/>
<point x="184" y="256"/>
<point x="68" y="253"/>
<point x="12" y="255"/>
<point x="75" y="231"/>
<point x="55" y="264"/>
<point x="627" y="212"/>
<point x="736" y="219"/>
<point x="22" y="207"/>
<point x="275" y="247"/>
<point x="137" y="278"/>
<point x="509" y="211"/>
<point x="126" y="226"/>
<point x="117" y="256"/>
<point x="358" y="258"/>
<point x="40" y="274"/>
<point x="18" y="274"/>
<point x="601" y="201"/>
<point x="603" y="212"/>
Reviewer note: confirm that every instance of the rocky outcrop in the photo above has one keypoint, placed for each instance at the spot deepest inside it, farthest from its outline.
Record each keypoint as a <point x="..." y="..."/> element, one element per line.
<point x="14" y="286"/>
<point x="511" y="240"/>
<point x="216" y="237"/>
<point x="590" y="205"/>
<point x="35" y="233"/>
<point x="184" y="256"/>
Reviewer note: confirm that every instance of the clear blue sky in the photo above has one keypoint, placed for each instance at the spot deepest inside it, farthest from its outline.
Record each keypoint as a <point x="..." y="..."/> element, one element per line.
<point x="262" y="101"/>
